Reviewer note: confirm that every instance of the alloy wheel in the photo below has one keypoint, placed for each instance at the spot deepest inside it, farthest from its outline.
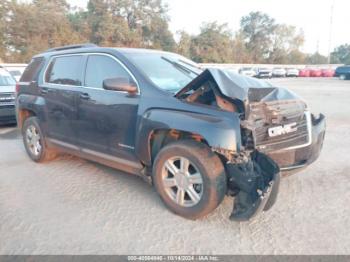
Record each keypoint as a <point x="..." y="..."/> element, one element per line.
<point x="182" y="181"/>
<point x="33" y="140"/>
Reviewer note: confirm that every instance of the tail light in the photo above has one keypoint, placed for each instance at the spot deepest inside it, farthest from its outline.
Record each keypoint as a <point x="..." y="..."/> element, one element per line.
<point x="17" y="88"/>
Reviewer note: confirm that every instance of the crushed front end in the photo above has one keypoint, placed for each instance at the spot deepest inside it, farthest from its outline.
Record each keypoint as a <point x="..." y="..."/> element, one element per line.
<point x="285" y="131"/>
<point x="279" y="136"/>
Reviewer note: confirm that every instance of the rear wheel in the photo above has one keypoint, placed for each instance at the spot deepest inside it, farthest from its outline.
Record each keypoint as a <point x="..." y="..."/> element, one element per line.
<point x="34" y="141"/>
<point x="189" y="178"/>
<point x="342" y="77"/>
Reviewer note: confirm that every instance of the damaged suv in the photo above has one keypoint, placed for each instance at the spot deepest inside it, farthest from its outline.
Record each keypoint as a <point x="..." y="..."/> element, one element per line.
<point x="197" y="135"/>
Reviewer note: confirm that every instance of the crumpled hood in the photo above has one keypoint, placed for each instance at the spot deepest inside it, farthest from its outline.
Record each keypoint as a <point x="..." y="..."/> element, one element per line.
<point x="240" y="87"/>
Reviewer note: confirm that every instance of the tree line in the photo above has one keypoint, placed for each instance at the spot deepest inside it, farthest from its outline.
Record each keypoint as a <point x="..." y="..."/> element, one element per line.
<point x="30" y="27"/>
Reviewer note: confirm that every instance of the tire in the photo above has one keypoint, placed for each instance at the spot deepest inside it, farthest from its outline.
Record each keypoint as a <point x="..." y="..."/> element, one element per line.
<point x="37" y="153"/>
<point x="210" y="185"/>
<point x="342" y="77"/>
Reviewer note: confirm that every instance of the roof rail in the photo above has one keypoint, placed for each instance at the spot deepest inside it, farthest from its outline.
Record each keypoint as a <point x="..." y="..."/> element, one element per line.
<point x="66" y="47"/>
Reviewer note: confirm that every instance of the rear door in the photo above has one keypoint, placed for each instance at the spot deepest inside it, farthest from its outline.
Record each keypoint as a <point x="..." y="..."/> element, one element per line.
<point x="63" y="77"/>
<point x="107" y="119"/>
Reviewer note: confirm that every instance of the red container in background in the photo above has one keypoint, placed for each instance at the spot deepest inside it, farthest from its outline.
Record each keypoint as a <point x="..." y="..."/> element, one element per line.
<point x="304" y="72"/>
<point x="316" y="73"/>
<point x="328" y="72"/>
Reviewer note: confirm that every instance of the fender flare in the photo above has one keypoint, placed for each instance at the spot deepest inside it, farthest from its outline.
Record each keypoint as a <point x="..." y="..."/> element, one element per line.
<point x="31" y="103"/>
<point x="219" y="131"/>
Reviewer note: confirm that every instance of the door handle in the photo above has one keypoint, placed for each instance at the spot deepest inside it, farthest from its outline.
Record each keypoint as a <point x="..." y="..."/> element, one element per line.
<point x="44" y="90"/>
<point x="85" y="96"/>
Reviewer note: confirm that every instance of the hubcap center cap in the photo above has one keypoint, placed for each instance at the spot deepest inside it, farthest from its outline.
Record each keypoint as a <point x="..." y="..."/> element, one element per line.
<point x="182" y="181"/>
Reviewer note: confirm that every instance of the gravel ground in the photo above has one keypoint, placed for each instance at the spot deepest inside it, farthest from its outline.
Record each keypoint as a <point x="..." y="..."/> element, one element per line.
<point x="72" y="206"/>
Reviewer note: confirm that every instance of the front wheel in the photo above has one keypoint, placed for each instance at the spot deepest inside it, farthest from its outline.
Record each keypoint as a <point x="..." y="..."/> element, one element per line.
<point x="189" y="178"/>
<point x="342" y="77"/>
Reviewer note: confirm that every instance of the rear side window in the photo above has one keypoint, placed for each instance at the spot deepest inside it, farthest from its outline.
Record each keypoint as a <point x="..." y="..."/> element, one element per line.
<point x="65" y="70"/>
<point x="100" y="67"/>
<point x="32" y="70"/>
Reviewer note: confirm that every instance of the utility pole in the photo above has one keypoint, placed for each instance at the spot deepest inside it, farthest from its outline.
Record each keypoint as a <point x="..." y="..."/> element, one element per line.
<point x="330" y="32"/>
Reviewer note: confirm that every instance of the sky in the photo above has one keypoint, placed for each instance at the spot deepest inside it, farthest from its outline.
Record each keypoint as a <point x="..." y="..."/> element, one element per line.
<point x="312" y="16"/>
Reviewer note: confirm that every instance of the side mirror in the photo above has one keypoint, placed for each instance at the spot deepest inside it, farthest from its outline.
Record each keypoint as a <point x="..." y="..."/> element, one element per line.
<point x="120" y="84"/>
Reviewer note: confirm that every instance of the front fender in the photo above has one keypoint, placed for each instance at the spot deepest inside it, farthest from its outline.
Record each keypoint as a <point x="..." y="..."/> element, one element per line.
<point x="219" y="131"/>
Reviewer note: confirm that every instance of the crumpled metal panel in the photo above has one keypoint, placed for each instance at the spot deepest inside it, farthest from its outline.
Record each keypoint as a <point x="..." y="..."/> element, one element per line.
<point x="240" y="87"/>
<point x="258" y="184"/>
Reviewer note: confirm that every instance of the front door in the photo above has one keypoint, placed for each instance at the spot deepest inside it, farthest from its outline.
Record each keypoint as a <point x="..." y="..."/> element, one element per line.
<point x="106" y="119"/>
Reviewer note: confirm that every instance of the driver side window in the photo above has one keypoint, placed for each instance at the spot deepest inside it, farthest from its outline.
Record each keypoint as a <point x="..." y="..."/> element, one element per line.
<point x="101" y="67"/>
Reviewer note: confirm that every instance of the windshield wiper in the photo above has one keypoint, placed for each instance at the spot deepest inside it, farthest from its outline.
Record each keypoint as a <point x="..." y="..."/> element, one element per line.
<point x="191" y="65"/>
<point x="180" y="66"/>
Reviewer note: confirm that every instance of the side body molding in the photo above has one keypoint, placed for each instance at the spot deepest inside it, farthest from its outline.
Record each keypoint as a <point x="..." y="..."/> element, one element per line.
<point x="219" y="131"/>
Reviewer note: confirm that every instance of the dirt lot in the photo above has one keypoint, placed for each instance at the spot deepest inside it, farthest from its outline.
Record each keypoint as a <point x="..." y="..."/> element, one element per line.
<point x="72" y="206"/>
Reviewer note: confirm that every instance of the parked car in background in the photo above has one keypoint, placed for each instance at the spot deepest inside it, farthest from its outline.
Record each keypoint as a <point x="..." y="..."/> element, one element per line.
<point x="247" y="71"/>
<point x="16" y="74"/>
<point x="292" y="72"/>
<point x="279" y="72"/>
<point x="7" y="97"/>
<point x="315" y="72"/>
<point x="16" y="70"/>
<point x="304" y="72"/>
<point x="327" y="72"/>
<point x="343" y="72"/>
<point x="263" y="73"/>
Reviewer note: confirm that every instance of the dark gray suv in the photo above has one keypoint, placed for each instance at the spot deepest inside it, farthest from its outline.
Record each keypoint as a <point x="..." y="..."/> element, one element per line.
<point x="197" y="135"/>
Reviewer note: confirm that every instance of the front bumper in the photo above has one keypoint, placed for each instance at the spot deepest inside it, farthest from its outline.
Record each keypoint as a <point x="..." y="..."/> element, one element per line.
<point x="7" y="114"/>
<point x="254" y="184"/>
<point x="293" y="160"/>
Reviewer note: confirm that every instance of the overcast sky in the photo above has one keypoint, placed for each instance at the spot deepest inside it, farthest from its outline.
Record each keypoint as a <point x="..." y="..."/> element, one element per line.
<point x="313" y="16"/>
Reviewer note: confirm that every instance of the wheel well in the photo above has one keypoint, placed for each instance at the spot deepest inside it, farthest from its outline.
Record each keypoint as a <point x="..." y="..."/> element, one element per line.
<point x="23" y="114"/>
<point x="162" y="137"/>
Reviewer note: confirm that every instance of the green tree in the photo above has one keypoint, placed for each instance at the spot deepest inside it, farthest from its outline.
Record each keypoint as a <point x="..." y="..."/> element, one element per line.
<point x="286" y="41"/>
<point x="239" y="50"/>
<point x="106" y="24"/>
<point x="341" y="55"/>
<point x="142" y="23"/>
<point x="35" y="26"/>
<point x="295" y="56"/>
<point x="315" y="59"/>
<point x="213" y="44"/>
<point x="257" y="31"/>
<point x="4" y="9"/>
<point x="184" y="44"/>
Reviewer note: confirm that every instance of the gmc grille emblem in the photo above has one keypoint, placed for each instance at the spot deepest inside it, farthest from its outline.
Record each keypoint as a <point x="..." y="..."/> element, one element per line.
<point x="282" y="130"/>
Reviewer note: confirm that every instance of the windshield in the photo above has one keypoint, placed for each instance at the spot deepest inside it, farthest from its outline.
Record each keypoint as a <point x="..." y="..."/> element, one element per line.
<point x="6" y="79"/>
<point x="168" y="71"/>
<point x="15" y="73"/>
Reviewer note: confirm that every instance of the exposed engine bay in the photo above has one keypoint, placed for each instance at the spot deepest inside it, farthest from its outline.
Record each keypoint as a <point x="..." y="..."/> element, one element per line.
<point x="208" y="94"/>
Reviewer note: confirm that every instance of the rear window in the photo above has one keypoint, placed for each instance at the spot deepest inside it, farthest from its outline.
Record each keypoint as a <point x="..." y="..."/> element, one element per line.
<point x="32" y="70"/>
<point x="65" y="70"/>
